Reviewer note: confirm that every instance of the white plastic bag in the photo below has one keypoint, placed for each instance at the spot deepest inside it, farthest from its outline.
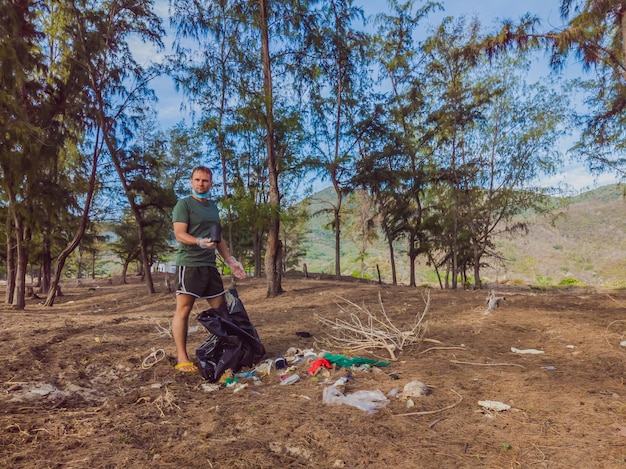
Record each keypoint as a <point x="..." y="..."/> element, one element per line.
<point x="528" y="351"/>
<point x="494" y="405"/>
<point x="369" y="401"/>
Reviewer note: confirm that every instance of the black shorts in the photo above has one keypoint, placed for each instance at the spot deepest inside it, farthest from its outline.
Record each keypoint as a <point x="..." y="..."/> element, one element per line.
<point x="201" y="282"/>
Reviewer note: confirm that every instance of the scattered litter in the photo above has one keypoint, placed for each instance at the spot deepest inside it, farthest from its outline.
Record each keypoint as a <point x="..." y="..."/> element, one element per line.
<point x="528" y="351"/>
<point x="570" y="346"/>
<point x="156" y="355"/>
<point x="295" y="356"/>
<point x="289" y="379"/>
<point x="263" y="369"/>
<point x="317" y="364"/>
<point x="415" y="389"/>
<point x="210" y="387"/>
<point x="493" y="302"/>
<point x="322" y="374"/>
<point x="160" y="385"/>
<point x="304" y="334"/>
<point x="623" y="343"/>
<point x="410" y="404"/>
<point x="549" y="368"/>
<point x="239" y="387"/>
<point x="227" y="379"/>
<point x="346" y="362"/>
<point x="368" y="401"/>
<point x="494" y="405"/>
<point x="341" y="382"/>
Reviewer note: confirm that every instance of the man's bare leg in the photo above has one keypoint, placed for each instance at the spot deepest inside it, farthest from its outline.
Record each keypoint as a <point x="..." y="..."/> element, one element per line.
<point x="180" y="324"/>
<point x="216" y="302"/>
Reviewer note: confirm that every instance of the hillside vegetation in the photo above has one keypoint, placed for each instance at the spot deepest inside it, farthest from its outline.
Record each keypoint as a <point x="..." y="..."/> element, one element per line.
<point x="584" y="242"/>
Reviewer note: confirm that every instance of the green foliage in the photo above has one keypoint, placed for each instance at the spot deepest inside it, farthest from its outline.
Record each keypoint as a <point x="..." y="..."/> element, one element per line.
<point x="570" y="282"/>
<point x="543" y="281"/>
<point x="357" y="274"/>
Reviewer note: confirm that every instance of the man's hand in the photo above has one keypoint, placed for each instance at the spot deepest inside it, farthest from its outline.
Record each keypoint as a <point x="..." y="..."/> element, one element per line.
<point x="205" y="243"/>
<point x="236" y="267"/>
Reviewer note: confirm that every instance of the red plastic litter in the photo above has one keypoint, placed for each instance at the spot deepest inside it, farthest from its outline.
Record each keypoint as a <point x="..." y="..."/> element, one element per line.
<point x="317" y="364"/>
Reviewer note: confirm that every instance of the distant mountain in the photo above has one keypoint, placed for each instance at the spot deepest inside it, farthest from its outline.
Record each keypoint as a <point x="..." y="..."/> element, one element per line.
<point x="584" y="242"/>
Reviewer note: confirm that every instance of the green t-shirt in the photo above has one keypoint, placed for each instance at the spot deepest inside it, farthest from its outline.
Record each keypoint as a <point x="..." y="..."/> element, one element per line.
<point x="200" y="217"/>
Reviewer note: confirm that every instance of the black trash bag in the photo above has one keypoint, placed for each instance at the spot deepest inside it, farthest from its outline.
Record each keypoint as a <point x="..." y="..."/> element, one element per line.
<point x="234" y="342"/>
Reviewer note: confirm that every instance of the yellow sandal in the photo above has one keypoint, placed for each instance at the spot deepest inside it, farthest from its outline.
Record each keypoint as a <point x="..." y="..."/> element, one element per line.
<point x="187" y="367"/>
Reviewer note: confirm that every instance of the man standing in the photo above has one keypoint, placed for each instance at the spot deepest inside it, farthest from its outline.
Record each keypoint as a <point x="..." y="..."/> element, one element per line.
<point x="197" y="230"/>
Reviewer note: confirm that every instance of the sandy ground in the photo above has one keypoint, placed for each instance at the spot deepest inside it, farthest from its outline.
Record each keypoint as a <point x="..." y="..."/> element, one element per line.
<point x="80" y="386"/>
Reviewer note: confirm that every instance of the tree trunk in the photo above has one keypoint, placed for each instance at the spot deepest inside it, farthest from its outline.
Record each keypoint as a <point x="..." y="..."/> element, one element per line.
<point x="145" y="257"/>
<point x="23" y="237"/>
<point x="412" y="257"/>
<point x="82" y="227"/>
<point x="273" y="253"/>
<point x="477" y="257"/>
<point x="257" y="253"/>
<point x="392" y="260"/>
<point x="11" y="270"/>
<point x="337" y="224"/>
<point x="46" y="266"/>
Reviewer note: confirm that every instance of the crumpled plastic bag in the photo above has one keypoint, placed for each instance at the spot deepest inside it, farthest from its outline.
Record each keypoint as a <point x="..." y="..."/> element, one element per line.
<point x="369" y="401"/>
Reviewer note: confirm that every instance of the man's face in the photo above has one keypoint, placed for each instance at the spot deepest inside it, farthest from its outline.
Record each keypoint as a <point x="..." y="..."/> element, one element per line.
<point x="201" y="182"/>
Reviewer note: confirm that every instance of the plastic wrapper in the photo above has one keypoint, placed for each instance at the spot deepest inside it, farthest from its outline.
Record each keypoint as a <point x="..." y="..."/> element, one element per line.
<point x="369" y="401"/>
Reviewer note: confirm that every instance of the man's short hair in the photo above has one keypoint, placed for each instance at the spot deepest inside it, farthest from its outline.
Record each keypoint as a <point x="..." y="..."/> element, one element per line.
<point x="202" y="169"/>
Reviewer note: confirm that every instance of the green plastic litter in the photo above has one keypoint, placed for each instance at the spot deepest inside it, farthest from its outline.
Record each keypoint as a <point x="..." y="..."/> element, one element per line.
<point x="348" y="362"/>
<point x="230" y="380"/>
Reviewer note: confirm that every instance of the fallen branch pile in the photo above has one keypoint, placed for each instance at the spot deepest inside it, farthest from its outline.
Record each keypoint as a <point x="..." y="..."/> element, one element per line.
<point x="364" y="330"/>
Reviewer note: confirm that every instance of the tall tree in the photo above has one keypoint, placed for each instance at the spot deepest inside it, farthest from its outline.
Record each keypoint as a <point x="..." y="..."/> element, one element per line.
<point x="273" y="250"/>
<point x="20" y="62"/>
<point x="397" y="165"/>
<point x="458" y="104"/>
<point x="338" y="79"/>
<point x="41" y="92"/>
<point x="363" y="225"/>
<point x="511" y="151"/>
<point x="118" y="84"/>
<point x="594" y="32"/>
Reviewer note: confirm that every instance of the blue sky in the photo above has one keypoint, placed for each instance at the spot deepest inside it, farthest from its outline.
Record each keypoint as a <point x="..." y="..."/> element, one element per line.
<point x="489" y="12"/>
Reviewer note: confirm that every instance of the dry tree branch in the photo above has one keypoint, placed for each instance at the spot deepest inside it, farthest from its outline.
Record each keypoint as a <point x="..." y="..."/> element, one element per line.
<point x="456" y="347"/>
<point x="606" y="330"/>
<point x="162" y="331"/>
<point x="363" y="330"/>
<point x="430" y="412"/>
<point x="165" y="401"/>
<point x="486" y="364"/>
